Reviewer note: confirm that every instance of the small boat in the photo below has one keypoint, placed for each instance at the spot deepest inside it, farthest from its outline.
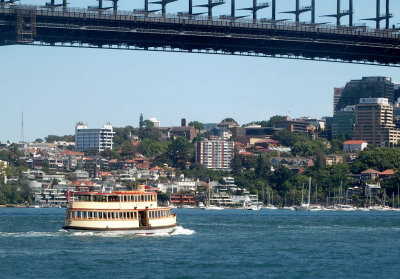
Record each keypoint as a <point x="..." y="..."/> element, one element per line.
<point x="344" y="207"/>
<point x="270" y="207"/>
<point x="288" y="208"/>
<point x="213" y="207"/>
<point x="255" y="206"/>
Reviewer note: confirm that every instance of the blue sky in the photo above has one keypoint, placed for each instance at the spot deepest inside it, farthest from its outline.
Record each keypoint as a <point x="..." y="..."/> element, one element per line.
<point x="56" y="87"/>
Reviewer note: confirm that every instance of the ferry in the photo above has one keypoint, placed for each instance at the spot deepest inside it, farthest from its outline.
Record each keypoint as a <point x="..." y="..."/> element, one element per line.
<point x="128" y="211"/>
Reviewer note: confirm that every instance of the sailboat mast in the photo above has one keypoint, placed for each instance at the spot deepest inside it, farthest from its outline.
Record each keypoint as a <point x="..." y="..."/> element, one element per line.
<point x="302" y="194"/>
<point x="398" y="196"/>
<point x="309" y="190"/>
<point x="316" y="193"/>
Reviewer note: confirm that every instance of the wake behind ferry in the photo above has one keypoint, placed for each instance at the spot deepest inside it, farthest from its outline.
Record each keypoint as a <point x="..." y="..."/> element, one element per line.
<point x="135" y="211"/>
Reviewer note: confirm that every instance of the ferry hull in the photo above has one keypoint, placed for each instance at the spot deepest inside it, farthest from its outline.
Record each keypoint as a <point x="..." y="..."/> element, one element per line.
<point x="141" y="230"/>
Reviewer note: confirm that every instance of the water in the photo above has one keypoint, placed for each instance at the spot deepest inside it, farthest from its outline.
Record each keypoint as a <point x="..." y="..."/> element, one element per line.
<point x="209" y="244"/>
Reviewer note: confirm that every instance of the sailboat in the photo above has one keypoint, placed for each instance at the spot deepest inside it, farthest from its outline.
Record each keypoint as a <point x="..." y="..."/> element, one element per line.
<point x="270" y="206"/>
<point x="306" y="206"/>
<point x="211" y="206"/>
<point x="340" y="206"/>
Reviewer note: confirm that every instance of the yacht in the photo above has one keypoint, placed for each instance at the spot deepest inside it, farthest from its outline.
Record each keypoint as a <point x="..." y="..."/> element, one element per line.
<point x="344" y="207"/>
<point x="270" y="207"/>
<point x="132" y="211"/>
<point x="213" y="207"/>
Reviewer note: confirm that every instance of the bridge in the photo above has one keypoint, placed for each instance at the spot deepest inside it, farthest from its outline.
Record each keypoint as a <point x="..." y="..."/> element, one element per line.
<point x="145" y="29"/>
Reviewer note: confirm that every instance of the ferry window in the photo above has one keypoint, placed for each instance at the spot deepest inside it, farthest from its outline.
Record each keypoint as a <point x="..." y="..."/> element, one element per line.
<point x="89" y="214"/>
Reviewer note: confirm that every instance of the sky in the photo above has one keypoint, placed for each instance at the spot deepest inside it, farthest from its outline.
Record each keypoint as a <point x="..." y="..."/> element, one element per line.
<point x="56" y="87"/>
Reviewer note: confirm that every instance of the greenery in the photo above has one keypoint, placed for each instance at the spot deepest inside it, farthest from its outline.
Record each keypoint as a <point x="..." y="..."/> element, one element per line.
<point x="53" y="138"/>
<point x="150" y="147"/>
<point x="180" y="151"/>
<point x="197" y="125"/>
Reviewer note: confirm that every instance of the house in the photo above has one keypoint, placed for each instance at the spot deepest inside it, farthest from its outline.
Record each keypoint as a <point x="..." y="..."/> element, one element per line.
<point x="369" y="174"/>
<point x="354" y="145"/>
<point x="386" y="174"/>
<point x="333" y="160"/>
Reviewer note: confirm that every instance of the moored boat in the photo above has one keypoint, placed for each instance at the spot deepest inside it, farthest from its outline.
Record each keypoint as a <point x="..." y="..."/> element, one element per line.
<point x="135" y="211"/>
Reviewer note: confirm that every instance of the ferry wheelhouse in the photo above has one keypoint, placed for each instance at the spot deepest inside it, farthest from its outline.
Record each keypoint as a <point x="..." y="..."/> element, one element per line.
<point x="135" y="211"/>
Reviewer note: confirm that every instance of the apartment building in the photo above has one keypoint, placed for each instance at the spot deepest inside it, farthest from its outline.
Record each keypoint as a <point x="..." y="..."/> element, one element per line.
<point x="374" y="122"/>
<point x="215" y="153"/>
<point x="99" y="139"/>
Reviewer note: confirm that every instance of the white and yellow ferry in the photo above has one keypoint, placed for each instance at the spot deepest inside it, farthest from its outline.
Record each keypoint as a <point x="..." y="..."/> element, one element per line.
<point x="135" y="211"/>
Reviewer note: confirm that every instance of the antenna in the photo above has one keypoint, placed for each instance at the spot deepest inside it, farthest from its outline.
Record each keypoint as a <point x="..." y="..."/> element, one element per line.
<point x="22" y="128"/>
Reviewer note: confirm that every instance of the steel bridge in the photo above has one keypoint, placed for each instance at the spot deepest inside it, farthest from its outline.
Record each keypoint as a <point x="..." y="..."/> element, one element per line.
<point x="107" y="27"/>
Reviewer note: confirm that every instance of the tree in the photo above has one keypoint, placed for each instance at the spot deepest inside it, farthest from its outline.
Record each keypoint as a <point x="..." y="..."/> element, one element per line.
<point x="149" y="132"/>
<point x="141" y="122"/>
<point x="127" y="149"/>
<point x="38" y="140"/>
<point x="262" y="166"/>
<point x="150" y="147"/>
<point x="54" y="138"/>
<point x="274" y="120"/>
<point x="180" y="151"/>
<point x="110" y="154"/>
<point x="91" y="152"/>
<point x="290" y="139"/>
<point x="229" y="119"/>
<point x="197" y="125"/>
<point x="236" y="163"/>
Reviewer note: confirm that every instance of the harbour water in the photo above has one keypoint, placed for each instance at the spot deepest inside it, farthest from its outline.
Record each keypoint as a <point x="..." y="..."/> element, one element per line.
<point x="209" y="244"/>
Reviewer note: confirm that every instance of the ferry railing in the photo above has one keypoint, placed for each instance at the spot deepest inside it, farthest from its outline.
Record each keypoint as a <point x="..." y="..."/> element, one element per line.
<point x="204" y="20"/>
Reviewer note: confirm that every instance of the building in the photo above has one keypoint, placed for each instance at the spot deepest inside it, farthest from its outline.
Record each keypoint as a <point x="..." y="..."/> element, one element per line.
<point x="369" y="174"/>
<point x="188" y="132"/>
<point x="374" y="122"/>
<point x="343" y="122"/>
<point x="183" y="199"/>
<point x="337" y="92"/>
<point x="354" y="145"/>
<point x="3" y="166"/>
<point x="215" y="153"/>
<point x="99" y="139"/>
<point x="156" y="123"/>
<point x="293" y="125"/>
<point x="331" y="160"/>
<point x="367" y="87"/>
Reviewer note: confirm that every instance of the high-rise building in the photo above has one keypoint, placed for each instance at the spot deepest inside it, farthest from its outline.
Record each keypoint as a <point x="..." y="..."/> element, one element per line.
<point x="374" y="122"/>
<point x="367" y="87"/>
<point x="343" y="122"/>
<point x="99" y="139"/>
<point x="337" y="92"/>
<point x="215" y="153"/>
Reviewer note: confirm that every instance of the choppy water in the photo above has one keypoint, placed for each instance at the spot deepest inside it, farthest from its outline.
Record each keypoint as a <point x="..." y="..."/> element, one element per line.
<point x="209" y="244"/>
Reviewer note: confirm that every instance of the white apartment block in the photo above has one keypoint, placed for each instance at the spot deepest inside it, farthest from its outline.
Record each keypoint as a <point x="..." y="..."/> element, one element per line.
<point x="215" y="153"/>
<point x="99" y="139"/>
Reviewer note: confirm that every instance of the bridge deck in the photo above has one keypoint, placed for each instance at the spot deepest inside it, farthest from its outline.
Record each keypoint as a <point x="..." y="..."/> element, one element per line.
<point x="80" y="27"/>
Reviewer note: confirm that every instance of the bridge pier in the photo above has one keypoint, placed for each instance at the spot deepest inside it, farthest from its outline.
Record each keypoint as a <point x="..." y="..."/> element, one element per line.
<point x="387" y="14"/>
<point x="351" y="13"/>
<point x="190" y="7"/>
<point x="273" y="10"/>
<point x="338" y="12"/>
<point x="232" y="8"/>
<point x="297" y="10"/>
<point x="378" y="13"/>
<point x="312" y="11"/>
